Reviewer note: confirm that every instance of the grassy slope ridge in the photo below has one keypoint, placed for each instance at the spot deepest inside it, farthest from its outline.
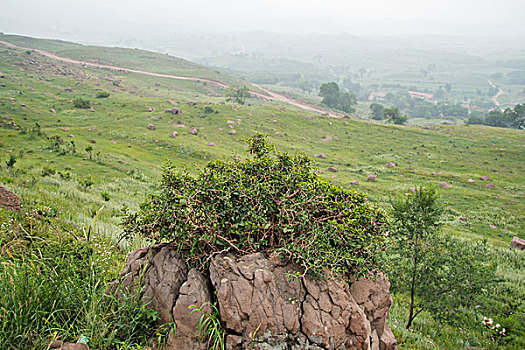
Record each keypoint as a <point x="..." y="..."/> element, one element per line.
<point x="131" y="155"/>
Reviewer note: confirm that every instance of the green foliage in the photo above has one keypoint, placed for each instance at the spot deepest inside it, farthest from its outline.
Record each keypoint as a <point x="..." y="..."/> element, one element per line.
<point x="335" y="98"/>
<point x="442" y="274"/>
<point x="105" y="196"/>
<point x="57" y="144"/>
<point x="102" y="94"/>
<point x="237" y="94"/>
<point x="53" y="281"/>
<point x="377" y="111"/>
<point x="81" y="103"/>
<point x="272" y="201"/>
<point x="394" y="116"/>
<point x="210" y="327"/>
<point x="10" y="162"/>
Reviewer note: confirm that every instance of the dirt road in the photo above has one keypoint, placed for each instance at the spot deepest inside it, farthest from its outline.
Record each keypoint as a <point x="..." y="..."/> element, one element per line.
<point x="270" y="95"/>
<point x="498" y="94"/>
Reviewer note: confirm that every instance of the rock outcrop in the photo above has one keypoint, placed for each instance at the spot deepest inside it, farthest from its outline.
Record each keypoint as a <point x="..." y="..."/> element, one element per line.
<point x="9" y="200"/>
<point x="261" y="304"/>
<point x="517" y="243"/>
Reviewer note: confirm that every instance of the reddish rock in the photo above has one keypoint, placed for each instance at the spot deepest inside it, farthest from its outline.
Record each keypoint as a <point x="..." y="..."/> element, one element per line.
<point x="470" y="180"/>
<point x="390" y="165"/>
<point x="233" y="132"/>
<point x="332" y="169"/>
<point x="52" y="111"/>
<point x="151" y="126"/>
<point x="194" y="131"/>
<point x="354" y="182"/>
<point x="517" y="243"/>
<point x="174" y="134"/>
<point x="484" y="178"/>
<point x="255" y="295"/>
<point x="371" y="178"/>
<point x="9" y="200"/>
<point x="59" y="344"/>
<point x="211" y="144"/>
<point x="320" y="155"/>
<point x="490" y="185"/>
<point x="463" y="219"/>
<point x="444" y="185"/>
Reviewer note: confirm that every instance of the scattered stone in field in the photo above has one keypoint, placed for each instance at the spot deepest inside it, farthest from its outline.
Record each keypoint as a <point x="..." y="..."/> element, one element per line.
<point x="92" y="141"/>
<point x="1" y="75"/>
<point x="152" y="110"/>
<point x="156" y="141"/>
<point x="191" y="103"/>
<point x="71" y="135"/>
<point x="275" y="121"/>
<point x="230" y="122"/>
<point x="491" y="185"/>
<point x="194" y="131"/>
<point x="354" y="182"/>
<point x="320" y="155"/>
<point x="249" y="114"/>
<point x="317" y="171"/>
<point x="517" y="243"/>
<point x="173" y="111"/>
<point x="484" y="178"/>
<point x="222" y="103"/>
<point x="52" y="111"/>
<point x="3" y="85"/>
<point x="327" y="138"/>
<point x="390" y="165"/>
<point x="493" y="226"/>
<point x="345" y="122"/>
<point x="65" y="129"/>
<point x="330" y="123"/>
<point x="211" y="144"/>
<point x="371" y="178"/>
<point x="463" y="218"/>
<point x="114" y="142"/>
<point x="151" y="126"/>
<point x="273" y="114"/>
<point x="9" y="200"/>
<point x="172" y="102"/>
<point x="502" y="149"/>
<point x="91" y="128"/>
<point x="470" y="180"/>
<point x="233" y="132"/>
<point x="413" y="189"/>
<point x="346" y="116"/>
<point x="174" y="134"/>
<point x="409" y="168"/>
<point x="23" y="105"/>
<point x="332" y="169"/>
<point x="221" y="129"/>
<point x="426" y="127"/>
<point x="444" y="185"/>
<point x="12" y="99"/>
<point x="91" y="109"/>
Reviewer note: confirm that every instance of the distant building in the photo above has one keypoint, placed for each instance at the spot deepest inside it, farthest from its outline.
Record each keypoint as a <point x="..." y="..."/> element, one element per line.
<point x="421" y="95"/>
<point x="376" y="96"/>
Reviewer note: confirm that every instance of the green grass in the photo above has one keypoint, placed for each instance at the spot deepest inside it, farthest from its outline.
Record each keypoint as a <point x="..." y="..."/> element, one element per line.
<point x="132" y="156"/>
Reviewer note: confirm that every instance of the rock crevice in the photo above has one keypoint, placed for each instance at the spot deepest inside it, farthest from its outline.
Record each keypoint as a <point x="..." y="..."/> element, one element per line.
<point x="261" y="306"/>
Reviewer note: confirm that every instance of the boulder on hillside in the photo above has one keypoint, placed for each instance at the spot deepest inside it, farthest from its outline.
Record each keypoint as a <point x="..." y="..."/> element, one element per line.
<point x="151" y="126"/>
<point x="194" y="131"/>
<point x="9" y="200"/>
<point x="390" y="165"/>
<point x="444" y="185"/>
<point x="372" y="178"/>
<point x="517" y="243"/>
<point x="174" y="134"/>
<point x="260" y="306"/>
<point x="332" y="169"/>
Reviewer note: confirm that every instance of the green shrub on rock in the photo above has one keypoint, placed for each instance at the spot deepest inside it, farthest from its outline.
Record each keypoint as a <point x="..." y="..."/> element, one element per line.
<point x="271" y="201"/>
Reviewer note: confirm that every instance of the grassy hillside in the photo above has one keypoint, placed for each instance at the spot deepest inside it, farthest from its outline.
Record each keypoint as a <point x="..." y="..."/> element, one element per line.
<point x="126" y="157"/>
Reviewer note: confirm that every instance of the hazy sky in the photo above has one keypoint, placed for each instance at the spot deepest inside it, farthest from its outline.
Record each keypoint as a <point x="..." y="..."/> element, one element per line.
<point x="129" y="17"/>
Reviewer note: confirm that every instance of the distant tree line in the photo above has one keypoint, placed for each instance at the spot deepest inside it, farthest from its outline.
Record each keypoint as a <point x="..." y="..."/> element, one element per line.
<point x="509" y="118"/>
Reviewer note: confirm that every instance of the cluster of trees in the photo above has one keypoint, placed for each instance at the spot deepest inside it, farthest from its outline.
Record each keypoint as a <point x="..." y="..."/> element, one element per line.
<point x="237" y="94"/>
<point x="509" y="118"/>
<point x="335" y="98"/>
<point x="392" y="114"/>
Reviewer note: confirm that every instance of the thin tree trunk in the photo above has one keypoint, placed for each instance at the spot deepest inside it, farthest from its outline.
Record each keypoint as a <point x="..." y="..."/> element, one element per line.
<point x="413" y="286"/>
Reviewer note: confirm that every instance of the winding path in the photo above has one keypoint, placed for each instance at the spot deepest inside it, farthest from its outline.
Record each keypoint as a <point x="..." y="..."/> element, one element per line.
<point x="270" y="95"/>
<point x="498" y="94"/>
